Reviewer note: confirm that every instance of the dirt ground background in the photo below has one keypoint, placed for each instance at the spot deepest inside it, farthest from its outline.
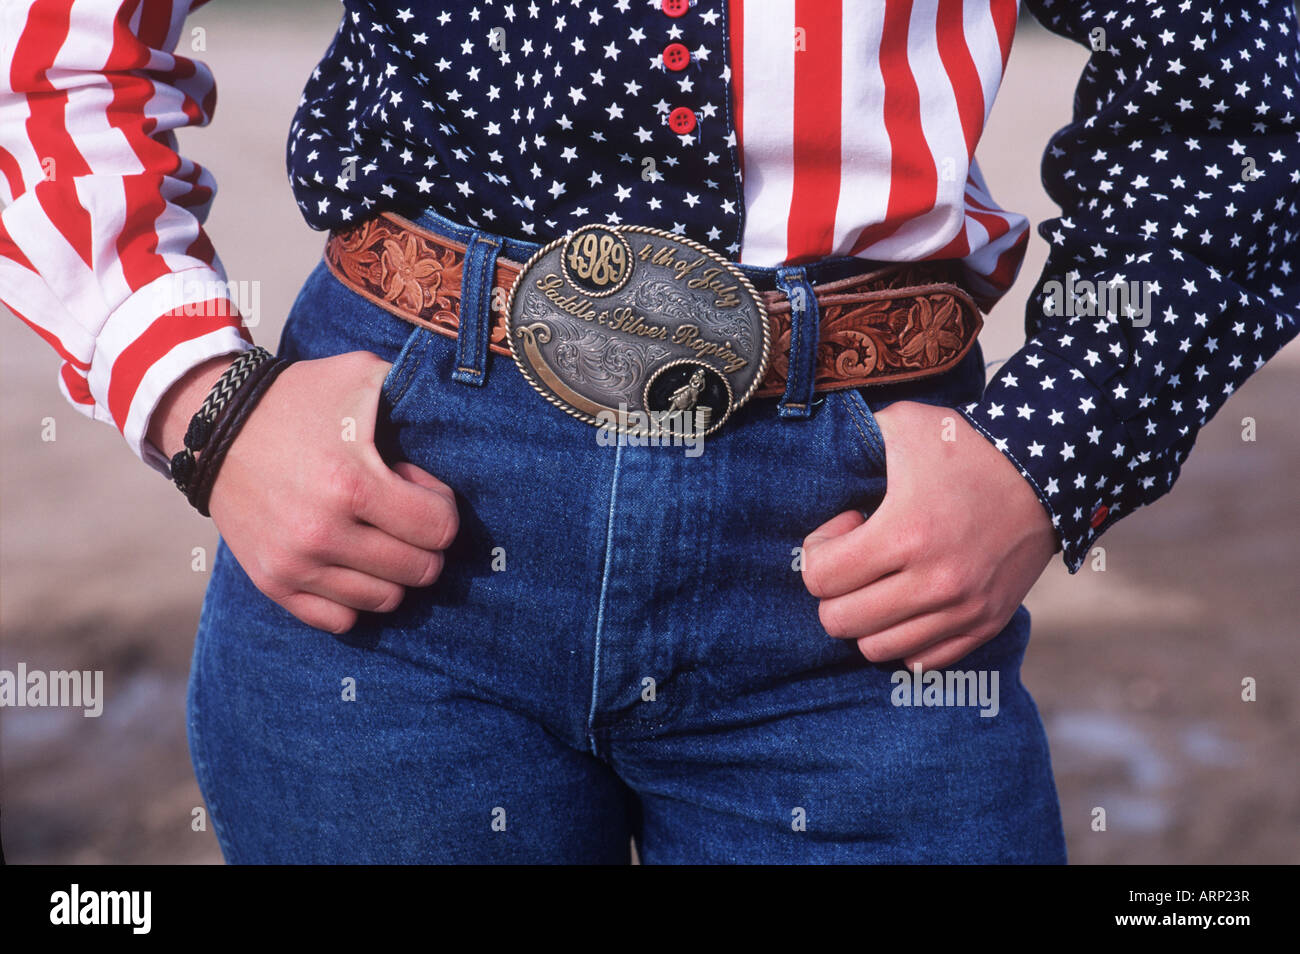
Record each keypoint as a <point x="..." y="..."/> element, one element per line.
<point x="1137" y="670"/>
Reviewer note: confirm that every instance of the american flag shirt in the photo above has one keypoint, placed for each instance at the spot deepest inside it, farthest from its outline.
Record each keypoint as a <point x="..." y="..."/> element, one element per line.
<point x="775" y="132"/>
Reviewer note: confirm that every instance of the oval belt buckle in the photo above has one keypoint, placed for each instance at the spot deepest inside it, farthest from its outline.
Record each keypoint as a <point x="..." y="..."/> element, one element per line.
<point x="637" y="330"/>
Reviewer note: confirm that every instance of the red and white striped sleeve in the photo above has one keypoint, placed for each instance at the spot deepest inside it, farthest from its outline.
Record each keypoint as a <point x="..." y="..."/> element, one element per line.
<point x="102" y="250"/>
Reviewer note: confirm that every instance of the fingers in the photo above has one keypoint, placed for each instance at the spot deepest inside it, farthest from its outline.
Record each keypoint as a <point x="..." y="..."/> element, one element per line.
<point x="909" y="638"/>
<point x="408" y="471"/>
<point x="331" y="596"/>
<point x="319" y="612"/>
<point x="373" y="552"/>
<point x="354" y="590"/>
<point x="878" y="606"/>
<point x="409" y="504"/>
<point x="946" y="652"/>
<point x="848" y="552"/>
<point x="837" y="526"/>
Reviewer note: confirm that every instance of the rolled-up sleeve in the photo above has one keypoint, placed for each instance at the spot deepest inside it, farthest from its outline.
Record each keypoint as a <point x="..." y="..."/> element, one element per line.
<point x="102" y="247"/>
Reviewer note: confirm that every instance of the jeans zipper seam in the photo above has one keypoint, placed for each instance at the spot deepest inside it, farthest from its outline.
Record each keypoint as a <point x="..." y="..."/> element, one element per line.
<point x="600" y="610"/>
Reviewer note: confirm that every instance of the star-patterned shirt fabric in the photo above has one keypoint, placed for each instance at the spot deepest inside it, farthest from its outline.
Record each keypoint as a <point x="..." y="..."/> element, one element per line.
<point x="525" y="118"/>
<point x="775" y="132"/>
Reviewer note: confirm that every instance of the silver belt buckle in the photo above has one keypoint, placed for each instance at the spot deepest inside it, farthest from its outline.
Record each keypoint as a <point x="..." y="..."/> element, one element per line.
<point x="638" y="330"/>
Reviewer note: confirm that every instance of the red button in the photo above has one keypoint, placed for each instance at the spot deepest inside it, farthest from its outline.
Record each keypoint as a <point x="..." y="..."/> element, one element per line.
<point x="1099" y="516"/>
<point x="682" y="120"/>
<point x="675" y="8"/>
<point x="676" y="56"/>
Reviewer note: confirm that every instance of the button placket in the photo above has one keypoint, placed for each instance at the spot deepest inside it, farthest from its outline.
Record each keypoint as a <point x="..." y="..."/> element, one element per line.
<point x="677" y="57"/>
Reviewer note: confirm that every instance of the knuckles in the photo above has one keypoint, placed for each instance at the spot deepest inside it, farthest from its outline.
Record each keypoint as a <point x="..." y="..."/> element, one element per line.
<point x="949" y="584"/>
<point x="277" y="569"/>
<point x="316" y="536"/>
<point x="266" y="573"/>
<point x="835" y="620"/>
<point x="444" y="523"/>
<point x="911" y="541"/>
<point x="390" y="600"/>
<point x="342" y="622"/>
<point x="433" y="570"/>
<point x="817" y="574"/>
<point x="876" y="651"/>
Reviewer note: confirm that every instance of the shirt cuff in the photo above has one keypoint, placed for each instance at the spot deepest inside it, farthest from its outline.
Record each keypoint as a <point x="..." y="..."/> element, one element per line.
<point x="152" y="340"/>
<point x="1061" y="432"/>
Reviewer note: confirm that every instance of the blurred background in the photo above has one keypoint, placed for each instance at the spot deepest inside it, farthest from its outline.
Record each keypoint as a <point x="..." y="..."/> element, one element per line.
<point x="1137" y="670"/>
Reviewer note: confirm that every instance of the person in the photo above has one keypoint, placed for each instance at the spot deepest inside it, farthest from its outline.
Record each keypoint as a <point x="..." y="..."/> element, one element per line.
<point x="446" y="623"/>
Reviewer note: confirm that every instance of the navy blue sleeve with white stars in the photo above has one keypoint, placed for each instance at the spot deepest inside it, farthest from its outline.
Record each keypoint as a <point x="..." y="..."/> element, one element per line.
<point x="1179" y="171"/>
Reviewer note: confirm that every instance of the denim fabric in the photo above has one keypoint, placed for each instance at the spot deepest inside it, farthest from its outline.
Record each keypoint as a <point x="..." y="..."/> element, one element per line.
<point x="619" y="646"/>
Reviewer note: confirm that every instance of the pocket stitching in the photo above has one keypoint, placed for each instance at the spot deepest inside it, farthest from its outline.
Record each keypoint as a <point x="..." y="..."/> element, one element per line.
<point x="857" y="413"/>
<point x="403" y="371"/>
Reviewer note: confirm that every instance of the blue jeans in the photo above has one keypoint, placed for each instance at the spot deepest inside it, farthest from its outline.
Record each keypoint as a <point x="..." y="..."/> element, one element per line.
<point x="620" y="647"/>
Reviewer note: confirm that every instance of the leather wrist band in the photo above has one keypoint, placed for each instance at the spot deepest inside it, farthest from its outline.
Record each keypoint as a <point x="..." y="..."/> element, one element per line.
<point x="226" y="428"/>
<point x="199" y="431"/>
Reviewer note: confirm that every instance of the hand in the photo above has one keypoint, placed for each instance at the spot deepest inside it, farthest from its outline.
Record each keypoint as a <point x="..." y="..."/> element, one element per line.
<point x="315" y="517"/>
<point x="944" y="562"/>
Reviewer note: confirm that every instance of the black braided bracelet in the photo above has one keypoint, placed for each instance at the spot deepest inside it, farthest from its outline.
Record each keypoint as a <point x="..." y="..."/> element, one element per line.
<point x="228" y="424"/>
<point x="199" y="431"/>
<point x="205" y="469"/>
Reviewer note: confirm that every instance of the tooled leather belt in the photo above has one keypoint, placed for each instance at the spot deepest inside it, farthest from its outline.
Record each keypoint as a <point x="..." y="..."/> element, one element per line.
<point x="895" y="323"/>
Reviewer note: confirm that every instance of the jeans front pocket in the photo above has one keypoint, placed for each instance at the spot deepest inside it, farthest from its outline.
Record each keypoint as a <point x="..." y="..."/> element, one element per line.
<point x="397" y="383"/>
<point x="860" y="428"/>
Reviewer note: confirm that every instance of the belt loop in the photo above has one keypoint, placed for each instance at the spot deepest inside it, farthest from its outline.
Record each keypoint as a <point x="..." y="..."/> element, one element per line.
<point x="805" y="328"/>
<point x="476" y="278"/>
